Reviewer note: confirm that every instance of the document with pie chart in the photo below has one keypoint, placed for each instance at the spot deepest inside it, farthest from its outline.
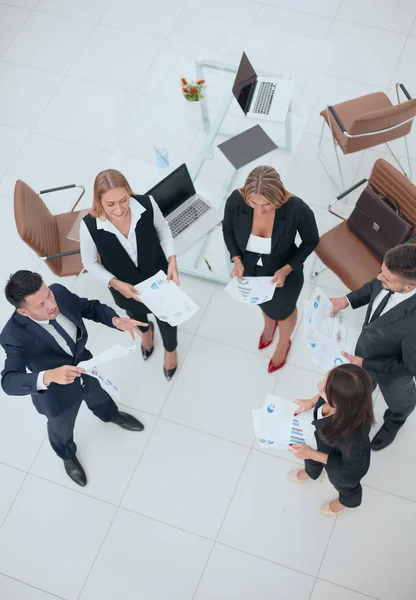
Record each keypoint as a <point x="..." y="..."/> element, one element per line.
<point x="167" y="301"/>
<point x="276" y="425"/>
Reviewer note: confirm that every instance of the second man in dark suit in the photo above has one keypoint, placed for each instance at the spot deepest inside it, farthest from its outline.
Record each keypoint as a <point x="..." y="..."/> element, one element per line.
<point x="386" y="347"/>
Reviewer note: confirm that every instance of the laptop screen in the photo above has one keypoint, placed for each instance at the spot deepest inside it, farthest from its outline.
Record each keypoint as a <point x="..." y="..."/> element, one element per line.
<point x="244" y="83"/>
<point x="174" y="190"/>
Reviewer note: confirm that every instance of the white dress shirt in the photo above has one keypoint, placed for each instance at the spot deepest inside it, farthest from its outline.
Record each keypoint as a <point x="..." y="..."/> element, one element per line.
<point x="89" y="252"/>
<point x="71" y="330"/>
<point x="393" y="301"/>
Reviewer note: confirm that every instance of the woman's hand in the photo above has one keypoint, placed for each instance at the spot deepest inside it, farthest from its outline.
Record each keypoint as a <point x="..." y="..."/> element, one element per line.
<point x="279" y="277"/>
<point x="303" y="406"/>
<point x="238" y="269"/>
<point x="127" y="290"/>
<point x="301" y="451"/>
<point x="173" y="270"/>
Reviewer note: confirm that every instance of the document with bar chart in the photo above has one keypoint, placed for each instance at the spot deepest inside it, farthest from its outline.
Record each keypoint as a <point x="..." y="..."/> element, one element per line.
<point x="276" y="425"/>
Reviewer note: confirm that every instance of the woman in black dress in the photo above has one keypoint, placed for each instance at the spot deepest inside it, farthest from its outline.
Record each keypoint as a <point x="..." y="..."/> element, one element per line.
<point x="343" y="415"/>
<point x="260" y="225"/>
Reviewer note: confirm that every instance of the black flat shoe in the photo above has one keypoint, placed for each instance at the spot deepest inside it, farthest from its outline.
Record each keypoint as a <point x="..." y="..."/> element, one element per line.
<point x="169" y="373"/>
<point x="383" y="438"/>
<point x="75" y="471"/>
<point x="129" y="422"/>
<point x="148" y="353"/>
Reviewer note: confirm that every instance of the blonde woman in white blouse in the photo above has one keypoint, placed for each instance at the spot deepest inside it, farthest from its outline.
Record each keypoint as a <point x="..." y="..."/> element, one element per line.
<point x="124" y="240"/>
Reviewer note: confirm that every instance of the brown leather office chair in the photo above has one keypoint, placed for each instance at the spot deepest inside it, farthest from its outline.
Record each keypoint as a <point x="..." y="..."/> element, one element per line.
<point x="366" y="122"/>
<point x="341" y="251"/>
<point x="45" y="233"/>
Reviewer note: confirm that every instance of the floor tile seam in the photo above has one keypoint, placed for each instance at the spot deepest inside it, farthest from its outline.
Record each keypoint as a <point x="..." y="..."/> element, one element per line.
<point x="392" y="83"/>
<point x="222" y="521"/>
<point x="30" y="12"/>
<point x="22" y="484"/>
<point x="53" y="596"/>
<point x="294" y="10"/>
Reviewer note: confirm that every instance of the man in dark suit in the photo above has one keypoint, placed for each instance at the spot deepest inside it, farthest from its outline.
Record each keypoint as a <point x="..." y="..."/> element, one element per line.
<point x="44" y="340"/>
<point x="386" y="347"/>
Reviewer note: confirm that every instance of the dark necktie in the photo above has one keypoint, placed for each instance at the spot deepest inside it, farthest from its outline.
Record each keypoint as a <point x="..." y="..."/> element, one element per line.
<point x="381" y="307"/>
<point x="64" y="334"/>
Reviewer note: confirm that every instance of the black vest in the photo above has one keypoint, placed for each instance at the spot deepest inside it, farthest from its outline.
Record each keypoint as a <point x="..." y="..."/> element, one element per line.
<point x="114" y="258"/>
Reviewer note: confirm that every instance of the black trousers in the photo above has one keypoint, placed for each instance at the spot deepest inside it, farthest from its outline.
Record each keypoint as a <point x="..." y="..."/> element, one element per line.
<point x="139" y="312"/>
<point x="61" y="427"/>
<point x="400" y="396"/>
<point x="350" y="492"/>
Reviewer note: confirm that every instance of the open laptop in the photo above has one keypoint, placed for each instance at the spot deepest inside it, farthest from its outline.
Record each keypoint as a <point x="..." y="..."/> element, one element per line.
<point x="261" y="97"/>
<point x="190" y="217"/>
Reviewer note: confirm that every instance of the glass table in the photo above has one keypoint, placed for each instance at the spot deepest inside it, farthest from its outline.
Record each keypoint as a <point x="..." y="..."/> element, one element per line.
<point x="213" y="175"/>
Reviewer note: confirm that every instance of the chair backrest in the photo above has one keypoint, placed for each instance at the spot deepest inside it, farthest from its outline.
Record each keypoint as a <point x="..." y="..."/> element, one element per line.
<point x="35" y="224"/>
<point x="390" y="182"/>
<point x="393" y="116"/>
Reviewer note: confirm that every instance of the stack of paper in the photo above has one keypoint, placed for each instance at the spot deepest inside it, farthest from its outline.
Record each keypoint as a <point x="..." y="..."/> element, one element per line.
<point x="251" y="290"/>
<point x="327" y="336"/>
<point x="276" y="426"/>
<point x="166" y="300"/>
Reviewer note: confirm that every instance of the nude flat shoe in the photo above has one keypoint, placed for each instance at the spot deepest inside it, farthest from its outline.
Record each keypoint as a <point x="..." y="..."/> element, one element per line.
<point x="326" y="510"/>
<point x="293" y="476"/>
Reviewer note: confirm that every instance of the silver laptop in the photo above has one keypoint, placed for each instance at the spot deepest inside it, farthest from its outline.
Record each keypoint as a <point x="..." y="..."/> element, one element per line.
<point x="190" y="217"/>
<point x="261" y="97"/>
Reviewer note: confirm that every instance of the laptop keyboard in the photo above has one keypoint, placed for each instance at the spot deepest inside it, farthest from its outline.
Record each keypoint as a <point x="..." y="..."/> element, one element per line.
<point x="264" y="98"/>
<point x="188" y="217"/>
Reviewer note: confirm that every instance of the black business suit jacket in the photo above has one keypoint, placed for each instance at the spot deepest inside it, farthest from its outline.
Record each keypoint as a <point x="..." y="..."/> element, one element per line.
<point x="348" y="460"/>
<point x="29" y="346"/>
<point x="293" y="217"/>
<point x="388" y="344"/>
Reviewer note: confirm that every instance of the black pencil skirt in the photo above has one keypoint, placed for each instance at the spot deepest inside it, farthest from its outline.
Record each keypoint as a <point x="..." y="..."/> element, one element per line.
<point x="284" y="300"/>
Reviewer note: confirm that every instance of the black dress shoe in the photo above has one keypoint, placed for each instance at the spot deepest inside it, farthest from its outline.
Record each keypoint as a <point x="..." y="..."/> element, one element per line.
<point x="383" y="438"/>
<point x="148" y="353"/>
<point x="75" y="471"/>
<point x="129" y="422"/>
<point x="169" y="373"/>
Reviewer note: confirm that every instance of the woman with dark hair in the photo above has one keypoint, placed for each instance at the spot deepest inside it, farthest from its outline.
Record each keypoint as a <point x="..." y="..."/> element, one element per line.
<point x="125" y="240"/>
<point x="261" y="222"/>
<point x="343" y="415"/>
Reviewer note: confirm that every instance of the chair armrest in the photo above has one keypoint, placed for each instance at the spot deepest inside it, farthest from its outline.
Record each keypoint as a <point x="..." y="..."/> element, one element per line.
<point x="61" y="254"/>
<point x="66" y="187"/>
<point x="342" y="195"/>
<point x="337" y="119"/>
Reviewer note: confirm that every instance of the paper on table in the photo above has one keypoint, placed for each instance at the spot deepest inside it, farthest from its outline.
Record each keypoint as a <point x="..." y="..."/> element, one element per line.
<point x="276" y="426"/>
<point x="116" y="351"/>
<point x="167" y="301"/>
<point x="251" y="290"/>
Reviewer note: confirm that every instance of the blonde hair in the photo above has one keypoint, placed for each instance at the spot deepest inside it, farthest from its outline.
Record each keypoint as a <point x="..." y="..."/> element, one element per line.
<point x="266" y="182"/>
<point x="105" y="181"/>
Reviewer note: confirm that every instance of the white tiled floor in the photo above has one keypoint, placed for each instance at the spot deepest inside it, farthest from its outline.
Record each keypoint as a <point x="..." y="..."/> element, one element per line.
<point x="190" y="508"/>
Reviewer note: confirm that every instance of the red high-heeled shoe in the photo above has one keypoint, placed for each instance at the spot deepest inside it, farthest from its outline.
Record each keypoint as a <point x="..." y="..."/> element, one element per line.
<point x="262" y="344"/>
<point x="272" y="368"/>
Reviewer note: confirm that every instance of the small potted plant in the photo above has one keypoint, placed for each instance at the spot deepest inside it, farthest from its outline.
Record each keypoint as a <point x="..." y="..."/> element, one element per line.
<point x="192" y="91"/>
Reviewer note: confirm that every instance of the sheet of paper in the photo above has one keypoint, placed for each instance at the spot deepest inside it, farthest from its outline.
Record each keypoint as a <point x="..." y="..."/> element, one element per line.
<point x="276" y="426"/>
<point x="167" y="301"/>
<point x="251" y="290"/>
<point x="113" y="353"/>
<point x="108" y="385"/>
<point x="330" y="355"/>
<point x="319" y="327"/>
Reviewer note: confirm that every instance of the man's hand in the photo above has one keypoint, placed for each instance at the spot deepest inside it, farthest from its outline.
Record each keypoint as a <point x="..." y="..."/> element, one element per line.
<point x="62" y="375"/>
<point x="129" y="325"/>
<point x="172" y="274"/>
<point x="127" y="290"/>
<point x="354" y="360"/>
<point x="338" y="304"/>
